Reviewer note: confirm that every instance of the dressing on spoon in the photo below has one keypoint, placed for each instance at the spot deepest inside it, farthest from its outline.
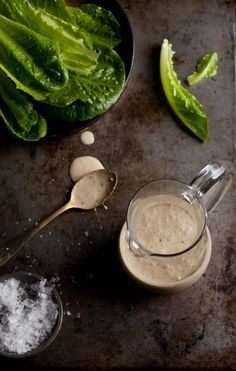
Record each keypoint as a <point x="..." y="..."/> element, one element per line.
<point x="93" y="189"/>
<point x="88" y="193"/>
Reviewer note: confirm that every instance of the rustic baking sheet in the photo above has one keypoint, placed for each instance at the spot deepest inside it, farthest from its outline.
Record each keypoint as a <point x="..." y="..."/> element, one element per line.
<point x="113" y="323"/>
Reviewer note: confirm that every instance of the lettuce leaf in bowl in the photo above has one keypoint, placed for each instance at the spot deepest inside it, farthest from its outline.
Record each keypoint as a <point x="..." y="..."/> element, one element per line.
<point x="18" y="113"/>
<point x="56" y="60"/>
<point x="103" y="87"/>
<point x="31" y="60"/>
<point x="100" y="23"/>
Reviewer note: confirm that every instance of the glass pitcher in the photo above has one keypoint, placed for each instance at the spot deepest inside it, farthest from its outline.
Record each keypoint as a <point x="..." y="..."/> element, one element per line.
<point x="166" y="229"/>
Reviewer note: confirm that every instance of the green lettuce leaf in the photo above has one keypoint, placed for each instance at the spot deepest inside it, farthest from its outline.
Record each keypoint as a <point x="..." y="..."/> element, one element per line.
<point x="20" y="10"/>
<point x="55" y="7"/>
<point x="186" y="106"/>
<point x="103" y="15"/>
<point x="75" y="44"/>
<point x="103" y="87"/>
<point x="31" y="60"/>
<point x="207" y="67"/>
<point x="101" y="25"/>
<point x="60" y="56"/>
<point x="18" y="113"/>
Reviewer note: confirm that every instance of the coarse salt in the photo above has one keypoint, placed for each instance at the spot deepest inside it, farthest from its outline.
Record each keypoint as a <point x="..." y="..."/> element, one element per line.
<point x="28" y="315"/>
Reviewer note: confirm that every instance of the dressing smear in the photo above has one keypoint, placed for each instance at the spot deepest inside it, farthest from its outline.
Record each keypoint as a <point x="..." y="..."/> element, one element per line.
<point x="28" y="315"/>
<point x="83" y="165"/>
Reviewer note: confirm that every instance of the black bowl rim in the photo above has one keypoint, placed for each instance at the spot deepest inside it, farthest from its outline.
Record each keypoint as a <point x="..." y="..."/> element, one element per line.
<point x="56" y="296"/>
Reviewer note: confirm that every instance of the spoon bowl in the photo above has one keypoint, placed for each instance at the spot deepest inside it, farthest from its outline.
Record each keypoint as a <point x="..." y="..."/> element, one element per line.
<point x="93" y="189"/>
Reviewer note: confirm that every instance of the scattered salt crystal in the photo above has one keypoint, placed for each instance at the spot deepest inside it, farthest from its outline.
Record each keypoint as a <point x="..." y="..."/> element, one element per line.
<point x="55" y="279"/>
<point x="105" y="207"/>
<point x="49" y="233"/>
<point x="29" y="219"/>
<point x="68" y="313"/>
<point x="41" y="236"/>
<point x="86" y="233"/>
<point x="36" y="223"/>
<point x="78" y="315"/>
<point x="27" y="315"/>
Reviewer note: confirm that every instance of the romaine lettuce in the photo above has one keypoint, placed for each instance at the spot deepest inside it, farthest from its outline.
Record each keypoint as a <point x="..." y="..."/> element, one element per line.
<point x="18" y="113"/>
<point x="60" y="56"/>
<point x="185" y="105"/>
<point x="206" y="67"/>
<point x="103" y="32"/>
<point x="31" y="60"/>
<point x="103" y="87"/>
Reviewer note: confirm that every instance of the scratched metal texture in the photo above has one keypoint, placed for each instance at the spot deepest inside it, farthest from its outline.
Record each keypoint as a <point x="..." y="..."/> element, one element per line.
<point x="113" y="323"/>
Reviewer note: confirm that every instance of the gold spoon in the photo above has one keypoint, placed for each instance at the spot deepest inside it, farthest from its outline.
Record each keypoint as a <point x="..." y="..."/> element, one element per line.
<point x="88" y="193"/>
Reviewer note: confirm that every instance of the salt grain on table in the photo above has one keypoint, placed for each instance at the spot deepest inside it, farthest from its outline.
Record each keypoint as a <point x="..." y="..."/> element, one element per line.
<point x="28" y="315"/>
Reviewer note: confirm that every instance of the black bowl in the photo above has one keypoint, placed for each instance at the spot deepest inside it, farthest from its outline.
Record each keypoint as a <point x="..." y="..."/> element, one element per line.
<point x="30" y="278"/>
<point x="126" y="51"/>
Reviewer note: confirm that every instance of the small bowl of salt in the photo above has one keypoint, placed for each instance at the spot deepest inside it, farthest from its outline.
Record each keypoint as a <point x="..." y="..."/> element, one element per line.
<point x="31" y="314"/>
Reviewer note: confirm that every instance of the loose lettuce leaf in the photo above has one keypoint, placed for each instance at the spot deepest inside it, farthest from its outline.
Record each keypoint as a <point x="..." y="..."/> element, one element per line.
<point x="207" y="67"/>
<point x="31" y="60"/>
<point x="103" y="86"/>
<point x="103" y="28"/>
<point x="18" y="113"/>
<point x="186" y="106"/>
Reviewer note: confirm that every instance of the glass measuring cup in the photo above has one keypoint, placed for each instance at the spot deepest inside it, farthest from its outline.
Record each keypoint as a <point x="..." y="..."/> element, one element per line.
<point x="199" y="198"/>
<point x="174" y="265"/>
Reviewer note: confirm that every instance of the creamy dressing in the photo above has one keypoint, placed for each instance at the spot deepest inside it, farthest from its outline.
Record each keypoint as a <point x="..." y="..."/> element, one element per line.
<point x="87" y="138"/>
<point x="166" y="273"/>
<point x="93" y="189"/>
<point x="84" y="165"/>
<point x="165" y="224"/>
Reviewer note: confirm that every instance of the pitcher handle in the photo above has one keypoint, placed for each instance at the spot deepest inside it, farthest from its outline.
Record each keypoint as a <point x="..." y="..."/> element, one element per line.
<point x="213" y="181"/>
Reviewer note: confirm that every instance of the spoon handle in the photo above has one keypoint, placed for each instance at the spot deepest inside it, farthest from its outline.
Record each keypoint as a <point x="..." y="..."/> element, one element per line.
<point x="10" y="248"/>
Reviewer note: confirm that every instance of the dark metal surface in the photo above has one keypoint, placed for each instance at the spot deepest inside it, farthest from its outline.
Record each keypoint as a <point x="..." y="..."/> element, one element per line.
<point x="113" y="323"/>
